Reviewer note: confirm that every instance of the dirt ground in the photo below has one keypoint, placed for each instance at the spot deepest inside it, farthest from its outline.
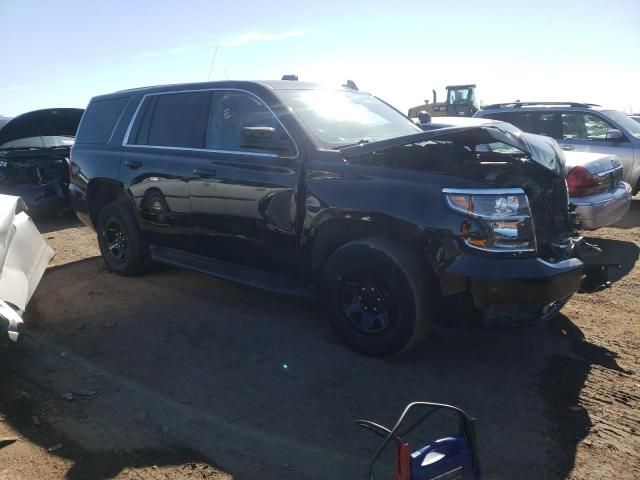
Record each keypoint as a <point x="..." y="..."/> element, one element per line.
<point x="176" y="375"/>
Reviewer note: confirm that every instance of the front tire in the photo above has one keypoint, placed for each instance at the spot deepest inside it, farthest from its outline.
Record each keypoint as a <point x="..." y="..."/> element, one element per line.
<point x="377" y="296"/>
<point x="120" y="240"/>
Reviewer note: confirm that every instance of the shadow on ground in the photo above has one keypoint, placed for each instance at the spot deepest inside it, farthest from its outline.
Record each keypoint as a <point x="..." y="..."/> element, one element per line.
<point x="621" y="255"/>
<point x="53" y="221"/>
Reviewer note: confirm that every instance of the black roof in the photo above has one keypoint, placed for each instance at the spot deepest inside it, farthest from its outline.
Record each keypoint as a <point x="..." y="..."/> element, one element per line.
<point x="242" y="84"/>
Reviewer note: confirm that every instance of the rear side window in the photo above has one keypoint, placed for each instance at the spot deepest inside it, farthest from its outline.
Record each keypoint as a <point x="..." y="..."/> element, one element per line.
<point x="100" y="119"/>
<point x="548" y="124"/>
<point x="173" y="120"/>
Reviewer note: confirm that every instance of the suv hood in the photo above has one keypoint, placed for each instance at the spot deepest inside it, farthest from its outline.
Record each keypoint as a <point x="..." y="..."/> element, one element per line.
<point x="488" y="156"/>
<point x="542" y="150"/>
<point x="41" y="129"/>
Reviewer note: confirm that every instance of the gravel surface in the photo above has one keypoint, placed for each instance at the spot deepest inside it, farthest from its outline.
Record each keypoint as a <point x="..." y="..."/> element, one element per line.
<point x="175" y="375"/>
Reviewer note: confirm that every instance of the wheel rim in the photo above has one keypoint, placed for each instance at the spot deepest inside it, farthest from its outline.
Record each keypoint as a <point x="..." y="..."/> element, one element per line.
<point x="116" y="240"/>
<point x="366" y="304"/>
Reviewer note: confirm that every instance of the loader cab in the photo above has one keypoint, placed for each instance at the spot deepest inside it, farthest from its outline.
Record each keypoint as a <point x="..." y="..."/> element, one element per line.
<point x="461" y="100"/>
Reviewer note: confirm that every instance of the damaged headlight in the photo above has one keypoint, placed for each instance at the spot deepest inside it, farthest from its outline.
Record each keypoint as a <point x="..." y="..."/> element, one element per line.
<point x="503" y="215"/>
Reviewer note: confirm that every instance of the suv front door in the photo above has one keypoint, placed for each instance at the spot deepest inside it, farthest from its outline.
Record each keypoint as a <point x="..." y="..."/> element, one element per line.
<point x="243" y="197"/>
<point x="587" y="132"/>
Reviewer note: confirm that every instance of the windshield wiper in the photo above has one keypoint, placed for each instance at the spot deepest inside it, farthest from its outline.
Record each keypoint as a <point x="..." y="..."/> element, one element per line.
<point x="354" y="144"/>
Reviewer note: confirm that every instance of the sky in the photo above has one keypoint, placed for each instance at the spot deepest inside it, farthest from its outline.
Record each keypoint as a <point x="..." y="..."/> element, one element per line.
<point x="60" y="53"/>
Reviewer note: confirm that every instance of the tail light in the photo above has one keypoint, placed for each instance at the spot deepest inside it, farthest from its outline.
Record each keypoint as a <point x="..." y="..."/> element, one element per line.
<point x="580" y="182"/>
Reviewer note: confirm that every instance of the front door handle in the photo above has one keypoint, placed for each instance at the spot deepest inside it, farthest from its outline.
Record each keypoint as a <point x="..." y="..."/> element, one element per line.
<point x="567" y="147"/>
<point x="133" y="164"/>
<point x="204" y="172"/>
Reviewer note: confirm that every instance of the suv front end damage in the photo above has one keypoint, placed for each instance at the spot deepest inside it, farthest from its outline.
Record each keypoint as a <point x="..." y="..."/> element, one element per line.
<point x="509" y="243"/>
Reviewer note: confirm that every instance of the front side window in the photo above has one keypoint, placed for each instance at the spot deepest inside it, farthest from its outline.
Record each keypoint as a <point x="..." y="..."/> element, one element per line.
<point x="581" y="126"/>
<point x="174" y="120"/>
<point x="336" y="118"/>
<point x="230" y="113"/>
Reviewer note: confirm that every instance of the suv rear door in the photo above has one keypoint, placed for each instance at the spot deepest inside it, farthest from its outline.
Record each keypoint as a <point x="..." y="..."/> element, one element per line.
<point x="160" y="152"/>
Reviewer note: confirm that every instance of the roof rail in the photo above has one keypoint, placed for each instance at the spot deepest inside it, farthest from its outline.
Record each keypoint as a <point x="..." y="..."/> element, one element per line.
<point x="518" y="104"/>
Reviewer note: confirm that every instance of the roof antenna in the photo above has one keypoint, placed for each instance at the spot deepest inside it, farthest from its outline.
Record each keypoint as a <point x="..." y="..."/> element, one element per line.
<point x="351" y="85"/>
<point x="213" y="60"/>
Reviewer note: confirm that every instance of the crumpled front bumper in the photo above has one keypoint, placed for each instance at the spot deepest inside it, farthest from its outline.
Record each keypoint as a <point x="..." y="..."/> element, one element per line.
<point x="517" y="290"/>
<point x="602" y="209"/>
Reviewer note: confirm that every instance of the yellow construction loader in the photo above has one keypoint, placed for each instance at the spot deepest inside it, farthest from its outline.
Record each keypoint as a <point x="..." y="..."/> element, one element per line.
<point x="461" y="102"/>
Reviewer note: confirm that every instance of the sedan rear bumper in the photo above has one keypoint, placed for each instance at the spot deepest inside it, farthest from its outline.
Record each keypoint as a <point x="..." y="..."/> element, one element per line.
<point x="602" y="209"/>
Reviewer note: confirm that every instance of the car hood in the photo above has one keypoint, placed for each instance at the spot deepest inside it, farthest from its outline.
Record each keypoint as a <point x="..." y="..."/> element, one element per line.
<point x="542" y="150"/>
<point x="41" y="128"/>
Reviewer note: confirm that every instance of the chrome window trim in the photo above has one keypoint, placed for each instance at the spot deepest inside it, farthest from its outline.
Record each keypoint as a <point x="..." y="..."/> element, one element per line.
<point x="210" y="150"/>
<point x="125" y="140"/>
<point x="115" y="126"/>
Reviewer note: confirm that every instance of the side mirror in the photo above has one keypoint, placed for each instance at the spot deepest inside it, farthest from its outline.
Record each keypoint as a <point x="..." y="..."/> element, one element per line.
<point x="614" y="135"/>
<point x="265" y="138"/>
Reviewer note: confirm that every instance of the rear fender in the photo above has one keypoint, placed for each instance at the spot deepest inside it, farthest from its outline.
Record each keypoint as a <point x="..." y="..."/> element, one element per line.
<point x="102" y="191"/>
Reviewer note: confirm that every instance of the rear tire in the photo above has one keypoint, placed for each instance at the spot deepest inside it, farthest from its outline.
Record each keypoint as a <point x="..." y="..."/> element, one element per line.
<point x="120" y="241"/>
<point x="376" y="291"/>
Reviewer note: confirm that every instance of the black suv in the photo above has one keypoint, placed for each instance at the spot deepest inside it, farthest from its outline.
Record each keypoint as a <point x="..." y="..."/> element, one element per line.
<point x="303" y="190"/>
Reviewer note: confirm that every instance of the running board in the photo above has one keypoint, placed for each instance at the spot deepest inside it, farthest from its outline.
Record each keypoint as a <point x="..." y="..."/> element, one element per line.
<point x="228" y="271"/>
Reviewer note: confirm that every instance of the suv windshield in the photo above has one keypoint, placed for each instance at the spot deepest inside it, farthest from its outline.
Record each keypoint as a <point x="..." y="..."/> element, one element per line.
<point x="626" y="122"/>
<point x="338" y="118"/>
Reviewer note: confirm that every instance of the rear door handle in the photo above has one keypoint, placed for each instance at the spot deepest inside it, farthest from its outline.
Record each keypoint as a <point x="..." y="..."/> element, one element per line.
<point x="204" y="172"/>
<point x="567" y="147"/>
<point x="133" y="164"/>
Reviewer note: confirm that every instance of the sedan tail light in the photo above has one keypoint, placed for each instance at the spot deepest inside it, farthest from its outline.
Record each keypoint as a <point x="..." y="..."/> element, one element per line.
<point x="580" y="182"/>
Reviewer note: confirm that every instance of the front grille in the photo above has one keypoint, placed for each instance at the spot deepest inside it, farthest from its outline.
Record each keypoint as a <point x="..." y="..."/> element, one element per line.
<point x="550" y="210"/>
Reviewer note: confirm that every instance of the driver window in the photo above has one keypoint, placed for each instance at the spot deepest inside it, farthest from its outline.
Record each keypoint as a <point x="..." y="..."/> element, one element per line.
<point x="581" y="126"/>
<point x="229" y="113"/>
<point x="596" y="128"/>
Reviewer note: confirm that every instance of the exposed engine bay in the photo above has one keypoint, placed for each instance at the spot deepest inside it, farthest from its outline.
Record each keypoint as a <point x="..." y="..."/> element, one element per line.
<point x="34" y="157"/>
